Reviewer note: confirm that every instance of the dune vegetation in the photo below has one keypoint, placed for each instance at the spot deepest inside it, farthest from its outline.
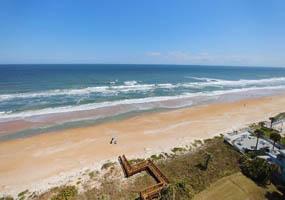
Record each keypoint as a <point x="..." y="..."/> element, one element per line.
<point x="194" y="171"/>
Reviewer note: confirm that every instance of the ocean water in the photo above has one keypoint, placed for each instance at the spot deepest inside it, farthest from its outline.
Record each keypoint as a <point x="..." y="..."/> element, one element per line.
<point x="29" y="92"/>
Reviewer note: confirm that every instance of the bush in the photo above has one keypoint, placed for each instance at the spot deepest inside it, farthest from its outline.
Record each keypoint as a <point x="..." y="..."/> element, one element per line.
<point x="179" y="190"/>
<point x="137" y="160"/>
<point x="157" y="157"/>
<point x="7" y="198"/>
<point x="66" y="193"/>
<point x="178" y="149"/>
<point x="259" y="170"/>
<point x="167" y="193"/>
<point x="254" y="154"/>
<point x="23" y="193"/>
<point x="107" y="165"/>
<point x="92" y="174"/>
<point x="103" y="197"/>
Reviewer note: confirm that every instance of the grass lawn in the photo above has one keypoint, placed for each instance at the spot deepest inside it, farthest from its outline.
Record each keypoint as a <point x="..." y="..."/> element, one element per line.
<point x="236" y="187"/>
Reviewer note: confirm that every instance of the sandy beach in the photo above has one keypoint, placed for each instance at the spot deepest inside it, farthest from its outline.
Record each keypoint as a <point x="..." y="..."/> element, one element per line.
<point x="43" y="161"/>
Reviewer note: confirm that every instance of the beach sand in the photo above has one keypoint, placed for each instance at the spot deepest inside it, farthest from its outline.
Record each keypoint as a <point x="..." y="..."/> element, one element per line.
<point x="43" y="161"/>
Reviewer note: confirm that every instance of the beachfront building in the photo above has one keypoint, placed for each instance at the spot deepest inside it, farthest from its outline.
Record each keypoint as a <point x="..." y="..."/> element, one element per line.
<point x="244" y="141"/>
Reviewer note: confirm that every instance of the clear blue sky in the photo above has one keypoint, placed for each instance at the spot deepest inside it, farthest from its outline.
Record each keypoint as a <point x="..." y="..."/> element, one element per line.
<point x="229" y="32"/>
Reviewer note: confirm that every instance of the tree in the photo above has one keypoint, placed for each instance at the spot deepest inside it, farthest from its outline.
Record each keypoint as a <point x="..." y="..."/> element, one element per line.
<point x="258" y="133"/>
<point x="275" y="137"/>
<point x="272" y="119"/>
<point x="262" y="124"/>
<point x="257" y="169"/>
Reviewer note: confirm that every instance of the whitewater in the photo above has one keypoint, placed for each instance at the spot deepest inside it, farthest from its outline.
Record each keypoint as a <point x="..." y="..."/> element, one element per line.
<point x="60" y="94"/>
<point x="130" y="86"/>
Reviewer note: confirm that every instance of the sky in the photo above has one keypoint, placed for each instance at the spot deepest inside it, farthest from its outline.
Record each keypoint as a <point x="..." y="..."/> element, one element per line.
<point x="210" y="32"/>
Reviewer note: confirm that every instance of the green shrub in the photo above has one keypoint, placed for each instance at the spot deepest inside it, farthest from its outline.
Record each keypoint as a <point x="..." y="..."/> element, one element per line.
<point x="23" y="193"/>
<point x="259" y="170"/>
<point x="91" y="174"/>
<point x="253" y="154"/>
<point x="178" y="149"/>
<point x="66" y="193"/>
<point x="137" y="160"/>
<point x="157" y="157"/>
<point x="107" y="165"/>
<point x="7" y="198"/>
<point x="179" y="190"/>
<point x="168" y="193"/>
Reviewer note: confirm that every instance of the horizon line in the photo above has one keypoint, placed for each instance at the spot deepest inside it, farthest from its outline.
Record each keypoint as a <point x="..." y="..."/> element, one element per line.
<point x="210" y="65"/>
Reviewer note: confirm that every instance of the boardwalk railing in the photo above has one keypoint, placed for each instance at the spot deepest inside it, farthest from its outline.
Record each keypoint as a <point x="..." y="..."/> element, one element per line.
<point x="147" y="165"/>
<point x="161" y="176"/>
<point x="152" y="191"/>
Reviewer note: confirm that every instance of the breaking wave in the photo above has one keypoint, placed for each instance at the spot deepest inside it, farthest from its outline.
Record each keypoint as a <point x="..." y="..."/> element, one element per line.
<point x="241" y="82"/>
<point x="139" y="101"/>
<point x="134" y="86"/>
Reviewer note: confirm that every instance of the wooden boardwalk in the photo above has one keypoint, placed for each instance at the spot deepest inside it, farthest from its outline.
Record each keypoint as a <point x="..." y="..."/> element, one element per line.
<point x="146" y="165"/>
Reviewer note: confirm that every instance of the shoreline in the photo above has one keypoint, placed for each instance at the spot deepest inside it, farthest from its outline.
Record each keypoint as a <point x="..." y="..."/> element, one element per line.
<point x="27" y="126"/>
<point x="47" y="160"/>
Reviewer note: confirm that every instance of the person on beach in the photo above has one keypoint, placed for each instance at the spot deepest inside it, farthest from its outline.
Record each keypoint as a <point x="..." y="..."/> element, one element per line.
<point x="113" y="141"/>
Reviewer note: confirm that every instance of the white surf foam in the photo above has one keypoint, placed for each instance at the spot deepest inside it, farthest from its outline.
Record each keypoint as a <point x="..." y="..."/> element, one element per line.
<point x="130" y="83"/>
<point x="92" y="106"/>
<point x="83" y="91"/>
<point x="241" y="82"/>
<point x="203" y="78"/>
<point x="57" y="92"/>
<point x="132" y="86"/>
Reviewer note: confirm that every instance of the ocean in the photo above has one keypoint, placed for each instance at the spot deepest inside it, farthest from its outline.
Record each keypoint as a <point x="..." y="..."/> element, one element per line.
<point x="47" y="97"/>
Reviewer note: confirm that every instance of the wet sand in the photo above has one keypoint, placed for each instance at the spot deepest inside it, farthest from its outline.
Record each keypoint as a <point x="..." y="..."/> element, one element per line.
<point x="46" y="160"/>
